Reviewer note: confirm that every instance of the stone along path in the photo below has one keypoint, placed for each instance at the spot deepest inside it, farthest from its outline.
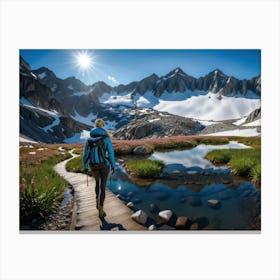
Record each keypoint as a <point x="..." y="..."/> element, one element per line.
<point x="85" y="213"/>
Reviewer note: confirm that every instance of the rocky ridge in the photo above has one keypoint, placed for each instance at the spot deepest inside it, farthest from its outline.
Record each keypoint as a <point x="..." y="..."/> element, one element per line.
<point x="39" y="109"/>
<point x="149" y="123"/>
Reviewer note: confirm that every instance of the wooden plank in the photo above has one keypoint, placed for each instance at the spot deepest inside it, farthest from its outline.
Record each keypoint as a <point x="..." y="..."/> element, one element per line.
<point x="118" y="215"/>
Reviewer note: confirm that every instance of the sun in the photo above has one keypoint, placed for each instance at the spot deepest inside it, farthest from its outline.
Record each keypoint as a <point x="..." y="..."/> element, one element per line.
<point x="84" y="60"/>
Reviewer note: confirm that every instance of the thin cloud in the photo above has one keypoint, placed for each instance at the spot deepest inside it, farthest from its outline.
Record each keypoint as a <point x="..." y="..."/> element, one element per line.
<point x="113" y="79"/>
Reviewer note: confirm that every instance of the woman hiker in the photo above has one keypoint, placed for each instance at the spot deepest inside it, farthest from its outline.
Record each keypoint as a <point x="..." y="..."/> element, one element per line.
<point x="99" y="155"/>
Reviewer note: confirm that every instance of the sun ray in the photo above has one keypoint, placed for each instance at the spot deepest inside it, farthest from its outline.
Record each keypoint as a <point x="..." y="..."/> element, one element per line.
<point x="84" y="61"/>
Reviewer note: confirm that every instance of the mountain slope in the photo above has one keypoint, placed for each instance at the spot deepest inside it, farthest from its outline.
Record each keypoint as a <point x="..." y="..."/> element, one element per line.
<point x="213" y="97"/>
<point x="42" y="117"/>
<point x="58" y="110"/>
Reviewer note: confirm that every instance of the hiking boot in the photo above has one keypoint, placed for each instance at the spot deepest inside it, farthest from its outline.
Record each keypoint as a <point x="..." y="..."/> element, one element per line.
<point x="101" y="212"/>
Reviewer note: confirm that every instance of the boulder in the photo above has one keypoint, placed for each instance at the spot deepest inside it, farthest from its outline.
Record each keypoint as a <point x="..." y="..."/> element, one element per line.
<point x="181" y="222"/>
<point x="214" y="203"/>
<point x="165" y="215"/>
<point x="140" y="217"/>
<point x="142" y="150"/>
<point x="130" y="205"/>
<point x="115" y="228"/>
<point x="194" y="226"/>
<point x="152" y="227"/>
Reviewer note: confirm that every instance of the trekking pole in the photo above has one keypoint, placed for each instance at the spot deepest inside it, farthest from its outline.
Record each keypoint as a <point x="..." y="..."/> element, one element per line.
<point x="87" y="179"/>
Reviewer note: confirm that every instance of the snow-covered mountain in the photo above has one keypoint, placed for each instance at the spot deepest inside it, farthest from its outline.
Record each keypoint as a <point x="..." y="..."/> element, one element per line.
<point x="42" y="117"/>
<point x="213" y="97"/>
<point x="77" y="98"/>
<point x="203" y="101"/>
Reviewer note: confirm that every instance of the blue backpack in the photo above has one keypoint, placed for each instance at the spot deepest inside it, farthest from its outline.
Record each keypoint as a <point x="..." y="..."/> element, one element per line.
<point x="97" y="148"/>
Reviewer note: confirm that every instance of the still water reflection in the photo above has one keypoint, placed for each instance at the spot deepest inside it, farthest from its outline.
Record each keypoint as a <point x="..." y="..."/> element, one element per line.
<point x="187" y="183"/>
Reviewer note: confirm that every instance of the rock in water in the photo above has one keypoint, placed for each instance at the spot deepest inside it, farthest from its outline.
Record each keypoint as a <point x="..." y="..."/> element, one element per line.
<point x="194" y="226"/>
<point x="181" y="222"/>
<point x="165" y="215"/>
<point x="130" y="205"/>
<point x="142" y="150"/>
<point x="140" y="217"/>
<point x="214" y="203"/>
<point x="152" y="227"/>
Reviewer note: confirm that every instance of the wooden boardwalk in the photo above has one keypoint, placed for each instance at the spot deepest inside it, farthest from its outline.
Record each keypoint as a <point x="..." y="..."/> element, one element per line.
<point x="85" y="212"/>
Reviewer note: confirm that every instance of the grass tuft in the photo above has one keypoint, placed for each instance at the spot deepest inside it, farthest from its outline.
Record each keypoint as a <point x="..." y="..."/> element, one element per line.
<point x="244" y="162"/>
<point x="145" y="168"/>
<point x="41" y="188"/>
<point x="75" y="165"/>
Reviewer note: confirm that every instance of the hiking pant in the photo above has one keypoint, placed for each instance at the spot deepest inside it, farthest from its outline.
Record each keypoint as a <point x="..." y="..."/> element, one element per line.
<point x="100" y="172"/>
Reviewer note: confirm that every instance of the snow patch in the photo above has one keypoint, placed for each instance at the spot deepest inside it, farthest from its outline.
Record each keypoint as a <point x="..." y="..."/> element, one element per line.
<point x="23" y="139"/>
<point x="54" y="87"/>
<point x="53" y="124"/>
<point x="205" y="122"/>
<point x="42" y="75"/>
<point x="86" y="120"/>
<point x="117" y="99"/>
<point x="154" y="120"/>
<point x="33" y="75"/>
<point x="254" y="123"/>
<point x="110" y="125"/>
<point x="192" y="104"/>
<point x="237" y="132"/>
<point x="203" y="107"/>
<point x="41" y="109"/>
<point x="79" y="93"/>
<point x="52" y="114"/>
<point x="239" y="122"/>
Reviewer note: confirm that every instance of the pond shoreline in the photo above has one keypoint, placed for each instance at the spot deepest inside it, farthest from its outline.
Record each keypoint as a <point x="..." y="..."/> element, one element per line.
<point x="187" y="190"/>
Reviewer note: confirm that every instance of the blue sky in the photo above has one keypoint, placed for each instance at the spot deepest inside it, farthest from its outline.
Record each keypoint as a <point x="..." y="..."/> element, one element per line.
<point x="124" y="66"/>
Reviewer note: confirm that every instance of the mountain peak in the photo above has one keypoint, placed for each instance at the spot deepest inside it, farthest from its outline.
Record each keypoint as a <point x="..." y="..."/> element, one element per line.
<point x="177" y="70"/>
<point x="217" y="71"/>
<point x="43" y="72"/>
<point x="154" y="76"/>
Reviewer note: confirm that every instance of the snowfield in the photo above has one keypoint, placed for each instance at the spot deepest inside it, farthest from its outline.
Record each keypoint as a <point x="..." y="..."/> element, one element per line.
<point x="209" y="107"/>
<point x="237" y="132"/>
<point x="241" y="121"/>
<point x="86" y="120"/>
<point x="254" y="123"/>
<point x="42" y="75"/>
<point x="196" y="104"/>
<point x="23" y="139"/>
<point x="54" y="115"/>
